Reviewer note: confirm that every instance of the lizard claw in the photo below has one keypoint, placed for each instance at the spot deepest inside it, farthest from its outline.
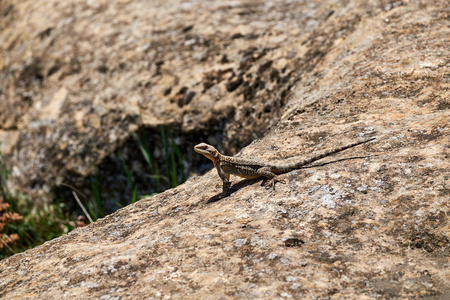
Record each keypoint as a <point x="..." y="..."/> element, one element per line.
<point x="226" y="187"/>
<point x="271" y="183"/>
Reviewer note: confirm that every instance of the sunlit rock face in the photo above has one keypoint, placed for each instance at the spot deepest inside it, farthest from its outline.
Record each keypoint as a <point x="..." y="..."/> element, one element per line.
<point x="295" y="77"/>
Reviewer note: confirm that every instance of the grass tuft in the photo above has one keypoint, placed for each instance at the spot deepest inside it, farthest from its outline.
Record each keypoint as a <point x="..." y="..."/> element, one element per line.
<point x="24" y="226"/>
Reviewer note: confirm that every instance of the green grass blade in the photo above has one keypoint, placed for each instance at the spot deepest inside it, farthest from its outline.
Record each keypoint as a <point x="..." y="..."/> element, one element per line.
<point x="134" y="198"/>
<point x="174" y="168"/>
<point x="166" y="155"/>
<point x="145" y="150"/>
<point x="128" y="172"/>
<point x="97" y="197"/>
<point x="180" y="160"/>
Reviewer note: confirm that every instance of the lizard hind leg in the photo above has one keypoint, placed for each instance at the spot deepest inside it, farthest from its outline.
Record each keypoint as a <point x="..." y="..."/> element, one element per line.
<point x="273" y="178"/>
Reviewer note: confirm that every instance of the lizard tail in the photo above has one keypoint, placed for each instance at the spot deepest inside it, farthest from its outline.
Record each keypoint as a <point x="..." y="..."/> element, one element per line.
<point x="314" y="158"/>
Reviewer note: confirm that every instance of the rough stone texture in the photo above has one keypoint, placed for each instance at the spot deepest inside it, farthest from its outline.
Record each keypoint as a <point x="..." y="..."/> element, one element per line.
<point x="369" y="227"/>
<point x="78" y="78"/>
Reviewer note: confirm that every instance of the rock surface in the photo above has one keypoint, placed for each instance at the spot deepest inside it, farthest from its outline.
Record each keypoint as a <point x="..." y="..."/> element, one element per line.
<point x="79" y="78"/>
<point x="375" y="225"/>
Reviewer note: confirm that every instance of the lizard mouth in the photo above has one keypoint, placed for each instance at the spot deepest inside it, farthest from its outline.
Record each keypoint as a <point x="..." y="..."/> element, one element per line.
<point x="200" y="149"/>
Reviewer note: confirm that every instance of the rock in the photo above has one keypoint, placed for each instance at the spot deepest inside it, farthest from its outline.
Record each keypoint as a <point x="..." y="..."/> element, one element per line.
<point x="52" y="109"/>
<point x="371" y="222"/>
<point x="73" y="81"/>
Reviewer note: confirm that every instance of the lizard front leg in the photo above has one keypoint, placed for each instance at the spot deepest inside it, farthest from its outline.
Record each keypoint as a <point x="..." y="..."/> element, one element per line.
<point x="225" y="179"/>
<point x="273" y="178"/>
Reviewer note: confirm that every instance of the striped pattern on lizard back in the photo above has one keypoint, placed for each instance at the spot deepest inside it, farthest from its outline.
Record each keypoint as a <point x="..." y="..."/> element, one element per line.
<point x="253" y="168"/>
<point x="245" y="168"/>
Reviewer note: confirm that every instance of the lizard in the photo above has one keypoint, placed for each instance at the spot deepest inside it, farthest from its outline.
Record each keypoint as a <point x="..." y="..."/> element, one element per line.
<point x="254" y="168"/>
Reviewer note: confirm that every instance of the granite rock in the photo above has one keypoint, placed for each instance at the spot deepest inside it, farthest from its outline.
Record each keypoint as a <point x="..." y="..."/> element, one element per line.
<point x="369" y="223"/>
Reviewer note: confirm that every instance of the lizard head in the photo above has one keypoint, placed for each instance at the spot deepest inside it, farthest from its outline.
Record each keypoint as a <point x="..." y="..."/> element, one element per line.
<point x="208" y="151"/>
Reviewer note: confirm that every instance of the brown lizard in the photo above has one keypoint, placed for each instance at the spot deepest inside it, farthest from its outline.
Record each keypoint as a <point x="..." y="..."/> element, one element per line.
<point x="253" y="168"/>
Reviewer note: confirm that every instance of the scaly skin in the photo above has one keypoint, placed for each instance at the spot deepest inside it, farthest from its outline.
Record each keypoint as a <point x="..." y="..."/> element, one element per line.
<point x="253" y="168"/>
